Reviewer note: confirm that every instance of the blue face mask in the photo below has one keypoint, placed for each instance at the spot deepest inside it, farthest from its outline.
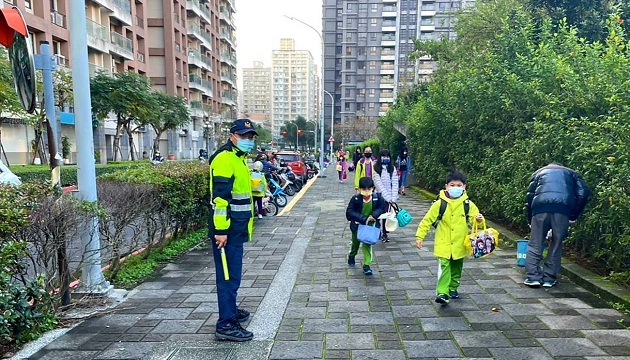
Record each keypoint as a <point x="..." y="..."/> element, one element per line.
<point x="245" y="145"/>
<point x="385" y="161"/>
<point x="455" y="192"/>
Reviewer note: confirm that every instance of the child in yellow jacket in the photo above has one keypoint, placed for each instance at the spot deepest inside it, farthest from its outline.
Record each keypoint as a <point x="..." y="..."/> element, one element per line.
<point x="450" y="231"/>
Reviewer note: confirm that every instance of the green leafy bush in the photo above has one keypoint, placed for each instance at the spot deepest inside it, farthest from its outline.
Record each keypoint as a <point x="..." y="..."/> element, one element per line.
<point x="373" y="143"/>
<point x="41" y="173"/>
<point x="508" y="101"/>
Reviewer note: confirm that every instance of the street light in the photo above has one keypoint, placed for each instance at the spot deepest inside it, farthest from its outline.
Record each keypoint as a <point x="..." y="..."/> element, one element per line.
<point x="314" y="133"/>
<point x="332" y="118"/>
<point x="321" y="79"/>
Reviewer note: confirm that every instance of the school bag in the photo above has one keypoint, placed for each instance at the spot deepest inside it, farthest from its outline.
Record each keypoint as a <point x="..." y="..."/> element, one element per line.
<point x="258" y="184"/>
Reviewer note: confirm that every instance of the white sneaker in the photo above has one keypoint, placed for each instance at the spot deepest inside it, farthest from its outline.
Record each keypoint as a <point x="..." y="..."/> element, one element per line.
<point x="260" y="216"/>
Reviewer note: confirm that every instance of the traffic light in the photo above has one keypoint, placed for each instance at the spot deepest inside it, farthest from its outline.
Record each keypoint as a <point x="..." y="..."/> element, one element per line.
<point x="299" y="132"/>
<point x="284" y="133"/>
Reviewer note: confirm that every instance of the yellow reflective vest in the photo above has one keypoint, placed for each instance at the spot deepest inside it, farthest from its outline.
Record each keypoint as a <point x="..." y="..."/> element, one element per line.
<point x="231" y="191"/>
<point x="452" y="229"/>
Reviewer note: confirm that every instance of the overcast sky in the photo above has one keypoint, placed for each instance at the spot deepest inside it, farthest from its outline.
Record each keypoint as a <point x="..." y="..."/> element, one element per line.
<point x="260" y="24"/>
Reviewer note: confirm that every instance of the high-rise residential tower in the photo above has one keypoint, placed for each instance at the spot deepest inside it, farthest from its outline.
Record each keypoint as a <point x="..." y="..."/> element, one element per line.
<point x="367" y="43"/>
<point x="293" y="85"/>
<point x="184" y="47"/>
<point x="257" y="92"/>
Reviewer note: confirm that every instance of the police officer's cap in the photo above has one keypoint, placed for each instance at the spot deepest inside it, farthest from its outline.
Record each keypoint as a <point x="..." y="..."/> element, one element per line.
<point x="243" y="126"/>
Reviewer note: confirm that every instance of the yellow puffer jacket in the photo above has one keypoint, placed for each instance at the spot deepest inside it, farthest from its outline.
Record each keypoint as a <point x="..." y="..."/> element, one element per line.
<point x="452" y="229"/>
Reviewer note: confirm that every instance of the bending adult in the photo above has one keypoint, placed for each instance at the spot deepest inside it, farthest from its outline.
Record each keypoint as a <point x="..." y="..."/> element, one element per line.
<point x="556" y="196"/>
<point x="230" y="225"/>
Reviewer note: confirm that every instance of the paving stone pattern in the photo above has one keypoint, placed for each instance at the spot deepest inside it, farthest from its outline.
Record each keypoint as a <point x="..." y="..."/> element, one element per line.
<point x="336" y="312"/>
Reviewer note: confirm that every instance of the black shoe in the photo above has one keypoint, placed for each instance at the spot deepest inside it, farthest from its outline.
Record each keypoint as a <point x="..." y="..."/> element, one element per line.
<point x="442" y="299"/>
<point x="242" y="315"/>
<point x="453" y="294"/>
<point x="351" y="261"/>
<point x="367" y="270"/>
<point x="233" y="332"/>
<point x="384" y="238"/>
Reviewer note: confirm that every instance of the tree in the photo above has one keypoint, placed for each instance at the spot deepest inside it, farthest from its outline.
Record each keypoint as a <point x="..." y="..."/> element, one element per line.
<point x="172" y="113"/>
<point x="264" y="136"/>
<point x="126" y="94"/>
<point x="293" y="128"/>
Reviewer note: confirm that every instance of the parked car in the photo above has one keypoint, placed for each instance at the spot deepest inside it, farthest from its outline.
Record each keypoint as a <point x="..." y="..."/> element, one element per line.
<point x="294" y="161"/>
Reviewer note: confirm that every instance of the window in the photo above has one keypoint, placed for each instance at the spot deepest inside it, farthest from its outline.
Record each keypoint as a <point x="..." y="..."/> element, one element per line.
<point x="360" y="107"/>
<point x="374" y="7"/>
<point x="363" y="7"/>
<point x="361" y="92"/>
<point x="361" y="51"/>
<point x="349" y="50"/>
<point x="348" y="64"/>
<point x="372" y="93"/>
<point x="373" y="36"/>
<point x="372" y="50"/>
<point x="360" y="65"/>
<point x="347" y="106"/>
<point x="371" y="106"/>
<point x="28" y="5"/>
<point x="373" y="21"/>
<point x="349" y="23"/>
<point x="362" y="21"/>
<point x="347" y="92"/>
<point x="443" y="6"/>
<point x="372" y="79"/>
<point x="348" y="79"/>
<point x="362" y="36"/>
<point x="348" y="37"/>
<point x="339" y="24"/>
<point x="372" y="65"/>
<point x="350" y="7"/>
<point x="339" y="12"/>
<point x="339" y="37"/>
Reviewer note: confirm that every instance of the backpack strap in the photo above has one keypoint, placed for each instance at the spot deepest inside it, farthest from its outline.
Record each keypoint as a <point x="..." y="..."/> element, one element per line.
<point x="443" y="205"/>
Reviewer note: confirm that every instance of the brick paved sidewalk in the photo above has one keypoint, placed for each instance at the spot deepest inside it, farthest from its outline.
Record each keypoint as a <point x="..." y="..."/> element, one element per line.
<point x="297" y="263"/>
<point x="338" y="313"/>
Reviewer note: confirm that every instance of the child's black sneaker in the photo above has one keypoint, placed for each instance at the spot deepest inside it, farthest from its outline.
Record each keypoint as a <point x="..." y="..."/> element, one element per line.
<point x="351" y="261"/>
<point x="442" y="299"/>
<point x="453" y="294"/>
<point x="367" y="270"/>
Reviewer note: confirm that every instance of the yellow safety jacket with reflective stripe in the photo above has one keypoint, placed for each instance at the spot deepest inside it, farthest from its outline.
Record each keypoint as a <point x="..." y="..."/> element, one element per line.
<point x="231" y="191"/>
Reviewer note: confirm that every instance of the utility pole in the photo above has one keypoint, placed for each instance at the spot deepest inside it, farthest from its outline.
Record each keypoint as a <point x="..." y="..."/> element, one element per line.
<point x="92" y="279"/>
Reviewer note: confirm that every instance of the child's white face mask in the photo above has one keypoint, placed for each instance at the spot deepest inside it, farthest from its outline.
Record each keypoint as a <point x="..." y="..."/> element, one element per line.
<point x="365" y="193"/>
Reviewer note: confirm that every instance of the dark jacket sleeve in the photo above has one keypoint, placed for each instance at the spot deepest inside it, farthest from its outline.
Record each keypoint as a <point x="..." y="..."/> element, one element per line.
<point x="582" y="194"/>
<point x="531" y="191"/>
<point x="378" y="208"/>
<point x="353" y="212"/>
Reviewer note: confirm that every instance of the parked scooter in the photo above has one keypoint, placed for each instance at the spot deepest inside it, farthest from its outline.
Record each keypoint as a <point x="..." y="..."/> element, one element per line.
<point x="278" y="196"/>
<point x="281" y="178"/>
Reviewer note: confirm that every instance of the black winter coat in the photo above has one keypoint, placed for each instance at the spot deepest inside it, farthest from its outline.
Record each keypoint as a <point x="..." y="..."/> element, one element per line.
<point x="355" y="207"/>
<point x="556" y="189"/>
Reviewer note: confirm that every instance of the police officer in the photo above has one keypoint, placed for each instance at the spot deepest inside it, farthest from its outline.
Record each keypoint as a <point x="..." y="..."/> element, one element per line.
<point x="230" y="224"/>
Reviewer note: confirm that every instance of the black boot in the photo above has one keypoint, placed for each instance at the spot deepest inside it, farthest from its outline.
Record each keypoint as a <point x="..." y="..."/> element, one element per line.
<point x="351" y="261"/>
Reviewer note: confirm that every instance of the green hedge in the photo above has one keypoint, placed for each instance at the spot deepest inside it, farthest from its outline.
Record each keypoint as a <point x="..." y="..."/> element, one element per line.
<point x="41" y="173"/>
<point x="537" y="94"/>
<point x="373" y="143"/>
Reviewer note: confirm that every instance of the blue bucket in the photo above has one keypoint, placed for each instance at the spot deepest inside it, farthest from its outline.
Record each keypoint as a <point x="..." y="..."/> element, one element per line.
<point x="521" y="252"/>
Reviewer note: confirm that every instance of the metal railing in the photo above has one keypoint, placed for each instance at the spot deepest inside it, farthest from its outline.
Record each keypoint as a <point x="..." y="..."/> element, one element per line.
<point x="121" y="41"/>
<point x="196" y="79"/>
<point x="195" y="29"/>
<point x="123" y="5"/>
<point x="95" y="69"/>
<point x="97" y="30"/>
<point x="196" y="5"/>
<point x="58" y="18"/>
<point x="196" y="54"/>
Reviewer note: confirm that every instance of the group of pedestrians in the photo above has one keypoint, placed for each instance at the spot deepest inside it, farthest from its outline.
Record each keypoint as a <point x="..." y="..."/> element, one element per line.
<point x="556" y="196"/>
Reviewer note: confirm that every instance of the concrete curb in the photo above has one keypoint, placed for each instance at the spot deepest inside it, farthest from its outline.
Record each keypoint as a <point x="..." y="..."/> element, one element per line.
<point x="587" y="279"/>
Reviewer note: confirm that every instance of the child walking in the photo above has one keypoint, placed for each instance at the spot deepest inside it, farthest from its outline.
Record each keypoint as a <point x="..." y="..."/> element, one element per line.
<point x="259" y="187"/>
<point x="451" y="227"/>
<point x="341" y="168"/>
<point x="386" y="181"/>
<point x="364" y="209"/>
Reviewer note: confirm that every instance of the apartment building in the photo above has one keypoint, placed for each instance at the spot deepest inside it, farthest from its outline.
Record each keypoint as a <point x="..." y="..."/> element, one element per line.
<point x="257" y="93"/>
<point x="178" y="44"/>
<point x="367" y="44"/>
<point x="293" y="85"/>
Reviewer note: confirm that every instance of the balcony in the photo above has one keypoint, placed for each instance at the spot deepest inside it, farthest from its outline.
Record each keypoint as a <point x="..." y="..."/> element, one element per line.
<point x="388" y="28"/>
<point x="427" y="13"/>
<point x="225" y="15"/>
<point x="98" y="36"/>
<point x="228" y="58"/>
<point x="196" y="82"/>
<point x="121" y="10"/>
<point x="199" y="9"/>
<point x="60" y="60"/>
<point x="58" y="18"/>
<point x="199" y="60"/>
<point x="228" y="98"/>
<point x="389" y="11"/>
<point x="228" y="78"/>
<point x="121" y="46"/>
<point x="196" y="31"/>
<point x="95" y="69"/>
<point x="196" y="109"/>
<point x="232" y="4"/>
<point x="427" y="27"/>
<point x="388" y="56"/>
<point x="227" y="35"/>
